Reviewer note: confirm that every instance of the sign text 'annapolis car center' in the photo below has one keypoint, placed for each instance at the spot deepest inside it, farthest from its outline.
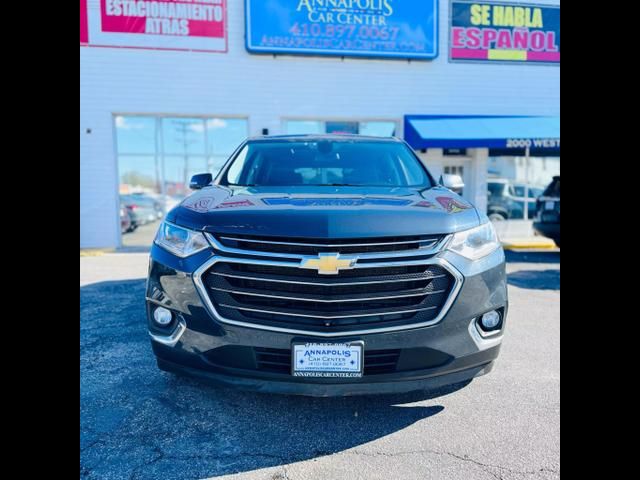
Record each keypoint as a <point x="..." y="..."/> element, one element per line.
<point x="370" y="28"/>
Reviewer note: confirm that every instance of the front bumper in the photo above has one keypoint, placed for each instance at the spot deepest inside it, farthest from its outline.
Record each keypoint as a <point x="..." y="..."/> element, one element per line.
<point x="450" y="351"/>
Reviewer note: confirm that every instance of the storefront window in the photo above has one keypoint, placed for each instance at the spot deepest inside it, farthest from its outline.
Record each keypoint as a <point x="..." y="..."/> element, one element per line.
<point x="178" y="170"/>
<point x="157" y="157"/>
<point x="224" y="135"/>
<point x="136" y="135"/>
<point x="342" y="127"/>
<point x="139" y="172"/>
<point x="513" y="185"/>
<point x="183" y="136"/>
<point x="378" y="129"/>
<point x="312" y="127"/>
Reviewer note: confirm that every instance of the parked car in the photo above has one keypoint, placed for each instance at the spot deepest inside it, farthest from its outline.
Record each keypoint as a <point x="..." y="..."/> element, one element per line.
<point x="506" y="200"/>
<point x="125" y="220"/>
<point x="169" y="201"/>
<point x="547" y="219"/>
<point x="154" y="200"/>
<point x="141" y="209"/>
<point x="326" y="265"/>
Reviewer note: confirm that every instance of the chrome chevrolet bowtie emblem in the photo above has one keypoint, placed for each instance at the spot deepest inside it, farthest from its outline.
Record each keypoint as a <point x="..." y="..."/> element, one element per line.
<point x="329" y="263"/>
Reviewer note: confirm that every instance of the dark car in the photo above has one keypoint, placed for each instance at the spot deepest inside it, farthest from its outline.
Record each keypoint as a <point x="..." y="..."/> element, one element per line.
<point x="326" y="265"/>
<point x="547" y="220"/>
<point x="506" y="200"/>
<point x="141" y="209"/>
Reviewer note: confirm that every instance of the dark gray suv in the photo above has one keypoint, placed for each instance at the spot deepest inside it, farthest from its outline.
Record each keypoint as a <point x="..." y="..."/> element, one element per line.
<point x="326" y="265"/>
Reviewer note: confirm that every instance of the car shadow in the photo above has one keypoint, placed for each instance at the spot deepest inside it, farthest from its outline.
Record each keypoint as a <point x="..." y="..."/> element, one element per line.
<point x="535" y="279"/>
<point x="138" y="422"/>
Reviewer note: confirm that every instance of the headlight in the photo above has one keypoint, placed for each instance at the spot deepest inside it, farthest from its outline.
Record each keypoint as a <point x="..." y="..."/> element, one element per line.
<point x="180" y="241"/>
<point x="476" y="242"/>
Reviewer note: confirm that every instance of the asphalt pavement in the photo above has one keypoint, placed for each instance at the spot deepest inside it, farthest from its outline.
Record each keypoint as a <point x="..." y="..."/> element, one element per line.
<point x="137" y="422"/>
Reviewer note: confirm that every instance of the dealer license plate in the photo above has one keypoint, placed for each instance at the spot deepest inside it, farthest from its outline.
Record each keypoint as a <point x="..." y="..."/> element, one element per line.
<point x="327" y="359"/>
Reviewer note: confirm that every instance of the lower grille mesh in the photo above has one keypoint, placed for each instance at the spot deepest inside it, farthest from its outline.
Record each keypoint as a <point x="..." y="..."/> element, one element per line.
<point x="376" y="362"/>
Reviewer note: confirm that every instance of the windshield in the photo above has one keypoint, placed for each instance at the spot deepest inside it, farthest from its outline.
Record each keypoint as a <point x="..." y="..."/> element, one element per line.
<point x="326" y="163"/>
<point x="533" y="191"/>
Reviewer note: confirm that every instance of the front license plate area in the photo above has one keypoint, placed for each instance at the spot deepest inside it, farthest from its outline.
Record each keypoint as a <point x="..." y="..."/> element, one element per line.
<point x="327" y="359"/>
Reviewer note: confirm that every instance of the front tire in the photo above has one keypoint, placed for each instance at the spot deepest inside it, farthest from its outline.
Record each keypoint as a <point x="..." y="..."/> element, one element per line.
<point x="497" y="217"/>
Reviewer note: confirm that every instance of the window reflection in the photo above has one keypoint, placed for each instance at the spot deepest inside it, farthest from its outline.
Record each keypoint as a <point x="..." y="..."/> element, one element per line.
<point x="378" y="129"/>
<point x="185" y="136"/>
<point x="224" y="135"/>
<point x="178" y="170"/>
<point x="158" y="155"/>
<point x="312" y="127"/>
<point x="136" y="135"/>
<point x="138" y="173"/>
<point x="514" y="183"/>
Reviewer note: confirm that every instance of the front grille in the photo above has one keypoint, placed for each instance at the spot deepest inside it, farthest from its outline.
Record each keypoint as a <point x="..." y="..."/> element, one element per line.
<point x="313" y="247"/>
<point x="410" y="290"/>
<point x="276" y="360"/>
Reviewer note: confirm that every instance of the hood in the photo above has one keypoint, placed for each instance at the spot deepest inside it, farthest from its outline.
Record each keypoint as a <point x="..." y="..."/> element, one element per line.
<point x="325" y="212"/>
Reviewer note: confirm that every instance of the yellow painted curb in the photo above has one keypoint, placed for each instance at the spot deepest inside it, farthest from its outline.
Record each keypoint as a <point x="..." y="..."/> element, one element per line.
<point x="95" y="252"/>
<point x="528" y="243"/>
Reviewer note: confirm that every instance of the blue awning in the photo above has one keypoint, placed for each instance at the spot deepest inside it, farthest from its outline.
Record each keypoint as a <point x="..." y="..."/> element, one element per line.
<point x="477" y="131"/>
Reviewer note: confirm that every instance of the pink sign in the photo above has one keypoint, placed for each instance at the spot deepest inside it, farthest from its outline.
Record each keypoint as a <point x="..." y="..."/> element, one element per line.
<point x="84" y="28"/>
<point x="194" y="25"/>
<point x="187" y="18"/>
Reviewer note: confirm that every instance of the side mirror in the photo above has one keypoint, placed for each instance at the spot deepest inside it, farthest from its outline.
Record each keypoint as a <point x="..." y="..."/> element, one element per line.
<point x="452" y="182"/>
<point x="200" y="180"/>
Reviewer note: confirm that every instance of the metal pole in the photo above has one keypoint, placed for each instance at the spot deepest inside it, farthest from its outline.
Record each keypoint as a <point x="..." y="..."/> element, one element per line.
<point x="526" y="183"/>
<point x="160" y="153"/>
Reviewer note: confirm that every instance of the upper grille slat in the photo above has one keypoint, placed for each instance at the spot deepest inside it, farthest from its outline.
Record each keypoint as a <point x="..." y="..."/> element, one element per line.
<point x="431" y="241"/>
<point x="395" y="285"/>
<point x="313" y="247"/>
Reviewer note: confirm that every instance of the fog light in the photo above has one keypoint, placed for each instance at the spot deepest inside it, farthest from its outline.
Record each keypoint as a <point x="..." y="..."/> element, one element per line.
<point x="490" y="320"/>
<point x="162" y="316"/>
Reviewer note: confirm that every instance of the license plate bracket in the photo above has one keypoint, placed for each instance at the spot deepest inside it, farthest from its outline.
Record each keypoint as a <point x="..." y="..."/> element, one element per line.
<point x="311" y="359"/>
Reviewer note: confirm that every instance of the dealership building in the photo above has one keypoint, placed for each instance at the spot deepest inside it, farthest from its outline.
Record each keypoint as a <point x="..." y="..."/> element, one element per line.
<point x="170" y="88"/>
